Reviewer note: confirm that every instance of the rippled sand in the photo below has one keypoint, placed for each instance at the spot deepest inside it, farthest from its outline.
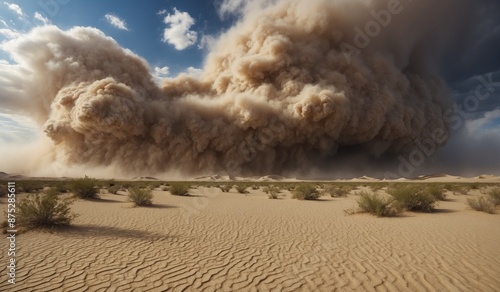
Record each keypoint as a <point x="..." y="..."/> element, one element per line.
<point x="214" y="241"/>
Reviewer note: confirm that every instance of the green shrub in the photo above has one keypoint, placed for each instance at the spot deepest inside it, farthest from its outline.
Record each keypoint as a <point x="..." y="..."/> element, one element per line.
<point x="140" y="197"/>
<point x="412" y="198"/>
<point x="436" y="191"/>
<point x="225" y="188"/>
<point x="44" y="210"/>
<point x="482" y="203"/>
<point x="179" y="189"/>
<point x="377" y="205"/>
<point x="494" y="195"/>
<point x="52" y="192"/>
<point x="474" y="186"/>
<point x="242" y="189"/>
<point x="84" y="188"/>
<point x="305" y="192"/>
<point x="114" y="189"/>
<point x="164" y="188"/>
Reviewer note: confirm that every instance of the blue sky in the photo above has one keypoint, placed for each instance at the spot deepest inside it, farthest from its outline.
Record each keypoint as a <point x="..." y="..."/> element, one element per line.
<point x="145" y="25"/>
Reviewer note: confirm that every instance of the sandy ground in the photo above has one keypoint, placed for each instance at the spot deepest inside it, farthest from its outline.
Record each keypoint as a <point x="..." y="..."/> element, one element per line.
<point x="214" y="241"/>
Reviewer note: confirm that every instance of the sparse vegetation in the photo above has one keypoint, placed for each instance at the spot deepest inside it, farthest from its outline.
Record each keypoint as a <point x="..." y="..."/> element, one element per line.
<point x="84" y="188"/>
<point x="114" y="189"/>
<point x="436" y="191"/>
<point x="305" y="192"/>
<point x="336" y="191"/>
<point x="255" y="187"/>
<point x="242" y="189"/>
<point x="377" y="205"/>
<point x="29" y="186"/>
<point x="140" y="196"/>
<point x="272" y="191"/>
<point x="482" y="203"/>
<point x="225" y="188"/>
<point x="412" y="198"/>
<point x="179" y="189"/>
<point x="164" y="188"/>
<point x="52" y="191"/>
<point x="494" y="195"/>
<point x="44" y="210"/>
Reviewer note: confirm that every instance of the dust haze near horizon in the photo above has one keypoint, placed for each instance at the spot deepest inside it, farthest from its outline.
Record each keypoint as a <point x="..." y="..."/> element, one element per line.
<point x="278" y="92"/>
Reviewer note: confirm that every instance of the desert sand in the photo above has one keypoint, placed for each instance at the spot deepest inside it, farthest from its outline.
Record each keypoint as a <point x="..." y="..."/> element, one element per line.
<point x="214" y="241"/>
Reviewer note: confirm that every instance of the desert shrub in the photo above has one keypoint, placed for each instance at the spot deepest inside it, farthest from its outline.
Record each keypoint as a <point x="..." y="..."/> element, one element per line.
<point x="494" y="195"/>
<point x="305" y="192"/>
<point x="336" y="191"/>
<point x="179" y="189"/>
<point x="255" y="187"/>
<point x="474" y="186"/>
<point x="29" y="186"/>
<point x="114" y="189"/>
<point x="482" y="203"/>
<point x="436" y="191"/>
<point x="272" y="191"/>
<point x="52" y="191"/>
<point x="62" y="187"/>
<point x="377" y="205"/>
<point x="84" y="188"/>
<point x="412" y="198"/>
<point x="44" y="210"/>
<point x="242" y="189"/>
<point x="155" y="185"/>
<point x="164" y="188"/>
<point x="3" y="190"/>
<point x="140" y="196"/>
<point x="225" y="188"/>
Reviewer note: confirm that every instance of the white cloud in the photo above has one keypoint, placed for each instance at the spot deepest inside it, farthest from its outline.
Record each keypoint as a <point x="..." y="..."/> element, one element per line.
<point x="161" y="72"/>
<point x="116" y="22"/>
<point x="42" y="19"/>
<point x="177" y="32"/>
<point x="193" y="72"/>
<point x="4" y="23"/>
<point x="207" y="42"/>
<point x="161" y="12"/>
<point x="9" y="33"/>
<point x="15" y="8"/>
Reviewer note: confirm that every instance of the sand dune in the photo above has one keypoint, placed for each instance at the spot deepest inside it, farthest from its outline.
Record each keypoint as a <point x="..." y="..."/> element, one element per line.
<point x="214" y="241"/>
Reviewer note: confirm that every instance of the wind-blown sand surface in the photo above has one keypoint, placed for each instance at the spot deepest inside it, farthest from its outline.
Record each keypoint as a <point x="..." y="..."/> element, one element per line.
<point x="214" y="241"/>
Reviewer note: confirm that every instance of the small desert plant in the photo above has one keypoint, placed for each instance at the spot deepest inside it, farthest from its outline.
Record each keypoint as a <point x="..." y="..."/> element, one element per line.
<point x="481" y="203"/>
<point x="412" y="198"/>
<point x="494" y="195"/>
<point x="272" y="191"/>
<point x="84" y="188"/>
<point x="225" y="188"/>
<point x="29" y="186"/>
<point x="52" y="192"/>
<point x="44" y="210"/>
<point x="336" y="191"/>
<point x="114" y="189"/>
<point x="436" y="191"/>
<point x="140" y="197"/>
<point x="164" y="188"/>
<point x="474" y="186"/>
<point x="179" y="189"/>
<point x="255" y="187"/>
<point x="62" y="187"/>
<point x="377" y="205"/>
<point x="305" y="192"/>
<point x="242" y="189"/>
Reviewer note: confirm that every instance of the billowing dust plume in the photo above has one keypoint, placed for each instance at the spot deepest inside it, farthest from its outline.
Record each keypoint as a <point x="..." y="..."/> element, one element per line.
<point x="284" y="89"/>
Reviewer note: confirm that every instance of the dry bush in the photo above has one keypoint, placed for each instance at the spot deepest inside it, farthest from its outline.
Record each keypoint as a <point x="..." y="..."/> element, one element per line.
<point x="412" y="198"/>
<point x="482" y="203"/>
<point x="377" y="205"/>
<point x="225" y="188"/>
<point x="306" y="192"/>
<point x="242" y="189"/>
<point x="114" y="189"/>
<point x="494" y="195"/>
<point x="44" y="210"/>
<point x="336" y="191"/>
<point x="436" y="191"/>
<point x="179" y="189"/>
<point x="140" y="196"/>
<point x="272" y="191"/>
<point x="84" y="188"/>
